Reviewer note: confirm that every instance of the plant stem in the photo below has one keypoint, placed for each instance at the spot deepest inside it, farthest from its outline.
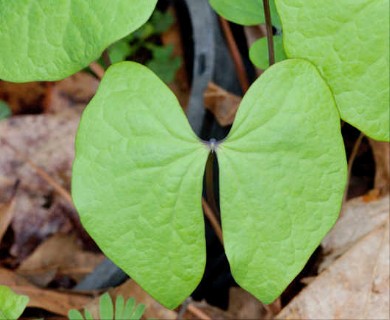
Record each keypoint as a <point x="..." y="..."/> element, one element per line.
<point x="236" y="56"/>
<point x="210" y="182"/>
<point x="351" y="160"/>
<point x="106" y="58"/>
<point x="213" y="220"/>
<point x="270" y="40"/>
<point x="97" y="69"/>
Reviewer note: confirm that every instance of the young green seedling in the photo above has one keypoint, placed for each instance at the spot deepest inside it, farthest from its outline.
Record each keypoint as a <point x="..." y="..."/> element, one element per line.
<point x="137" y="180"/>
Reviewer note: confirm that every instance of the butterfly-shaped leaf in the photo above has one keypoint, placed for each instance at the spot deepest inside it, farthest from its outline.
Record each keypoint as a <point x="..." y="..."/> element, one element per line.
<point x="348" y="40"/>
<point x="137" y="180"/>
<point x="50" y="40"/>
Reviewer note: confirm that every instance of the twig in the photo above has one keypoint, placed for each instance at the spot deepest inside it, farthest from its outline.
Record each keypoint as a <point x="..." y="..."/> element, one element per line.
<point x="238" y="63"/>
<point x="351" y="160"/>
<point x="213" y="220"/>
<point x="210" y="182"/>
<point x="183" y="308"/>
<point x="270" y="40"/>
<point x="197" y="312"/>
<point x="97" y="69"/>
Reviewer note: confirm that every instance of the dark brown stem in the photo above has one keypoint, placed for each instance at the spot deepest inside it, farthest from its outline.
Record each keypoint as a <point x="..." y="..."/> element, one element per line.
<point x="236" y="56"/>
<point x="210" y="182"/>
<point x="270" y="40"/>
<point x="106" y="58"/>
<point x="351" y="161"/>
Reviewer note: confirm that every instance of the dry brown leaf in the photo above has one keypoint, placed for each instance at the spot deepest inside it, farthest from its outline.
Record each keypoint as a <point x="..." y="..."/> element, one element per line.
<point x="202" y="310"/>
<point x="358" y="219"/>
<point x="242" y="305"/>
<point x="50" y="300"/>
<point x="221" y="103"/>
<point x="24" y="97"/>
<point x="72" y="93"/>
<point x="48" y="141"/>
<point x="6" y="214"/>
<point x="381" y="151"/>
<point x="356" y="286"/>
<point x="60" y="254"/>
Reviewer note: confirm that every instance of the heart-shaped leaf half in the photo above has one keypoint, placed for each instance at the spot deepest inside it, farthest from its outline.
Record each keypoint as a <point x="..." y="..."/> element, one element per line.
<point x="245" y="12"/>
<point x="50" y="40"/>
<point x="282" y="177"/>
<point x="137" y="180"/>
<point x="348" y="40"/>
<point x="12" y="305"/>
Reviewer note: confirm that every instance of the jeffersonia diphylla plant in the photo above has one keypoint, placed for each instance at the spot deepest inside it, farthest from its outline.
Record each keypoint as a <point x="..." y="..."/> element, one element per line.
<point x="137" y="176"/>
<point x="282" y="173"/>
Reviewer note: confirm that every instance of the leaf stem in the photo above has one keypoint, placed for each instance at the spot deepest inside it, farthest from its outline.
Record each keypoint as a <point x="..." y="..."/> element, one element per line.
<point x="236" y="56"/>
<point x="270" y="40"/>
<point x="351" y="160"/>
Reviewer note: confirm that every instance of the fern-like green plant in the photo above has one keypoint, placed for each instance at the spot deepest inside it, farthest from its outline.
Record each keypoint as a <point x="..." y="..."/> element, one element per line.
<point x="124" y="310"/>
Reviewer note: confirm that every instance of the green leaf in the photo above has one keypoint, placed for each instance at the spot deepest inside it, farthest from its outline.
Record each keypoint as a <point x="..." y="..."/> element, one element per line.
<point x="128" y="311"/>
<point x="137" y="182"/>
<point x="161" y="21"/>
<point x="75" y="315"/>
<point x="139" y="311"/>
<point x="12" y="305"/>
<point x="282" y="177"/>
<point x="106" y="308"/>
<point x="50" y="40"/>
<point x="245" y="12"/>
<point x="348" y="40"/>
<point x="258" y="52"/>
<point x="163" y="63"/>
<point x="119" y="307"/>
<point x="5" y="110"/>
<point x="119" y="51"/>
<point x="88" y="315"/>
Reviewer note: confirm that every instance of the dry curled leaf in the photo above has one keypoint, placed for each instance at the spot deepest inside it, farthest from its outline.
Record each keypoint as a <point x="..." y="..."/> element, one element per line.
<point x="45" y="262"/>
<point x="355" y="286"/>
<point x="50" y="300"/>
<point x="221" y="103"/>
<point x="46" y="140"/>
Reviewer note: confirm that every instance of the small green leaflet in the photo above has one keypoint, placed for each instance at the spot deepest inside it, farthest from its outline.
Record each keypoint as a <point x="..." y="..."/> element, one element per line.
<point x="245" y="12"/>
<point x="137" y="180"/>
<point x="348" y="40"/>
<point x="50" y="40"/>
<point x="12" y="305"/>
<point x="258" y="52"/>
<point x="5" y="110"/>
